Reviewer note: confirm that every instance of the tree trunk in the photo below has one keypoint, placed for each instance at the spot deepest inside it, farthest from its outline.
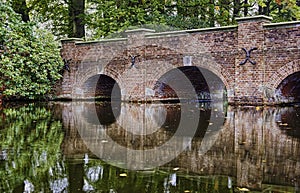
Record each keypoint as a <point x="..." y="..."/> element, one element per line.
<point x="20" y="6"/>
<point x="245" y="8"/>
<point x="76" y="23"/>
<point x="236" y="8"/>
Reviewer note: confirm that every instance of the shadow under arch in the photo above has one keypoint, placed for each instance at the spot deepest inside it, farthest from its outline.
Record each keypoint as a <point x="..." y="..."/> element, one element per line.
<point x="101" y="87"/>
<point x="208" y="86"/>
<point x="289" y="88"/>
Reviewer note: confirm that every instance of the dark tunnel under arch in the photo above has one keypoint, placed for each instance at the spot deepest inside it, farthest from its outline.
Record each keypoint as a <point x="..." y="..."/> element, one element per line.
<point x="289" y="88"/>
<point x="102" y="87"/>
<point x="205" y="83"/>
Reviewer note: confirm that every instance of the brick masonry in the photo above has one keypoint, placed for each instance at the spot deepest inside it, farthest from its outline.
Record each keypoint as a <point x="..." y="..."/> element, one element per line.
<point x="217" y="52"/>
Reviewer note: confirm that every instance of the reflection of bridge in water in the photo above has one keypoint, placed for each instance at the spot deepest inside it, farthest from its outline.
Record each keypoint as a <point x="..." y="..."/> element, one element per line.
<point x="255" y="145"/>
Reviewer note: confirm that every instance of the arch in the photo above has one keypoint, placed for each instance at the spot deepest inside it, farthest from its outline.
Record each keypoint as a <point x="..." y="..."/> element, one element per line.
<point x="206" y="84"/>
<point x="277" y="77"/>
<point x="101" y="86"/>
<point x="214" y="68"/>
<point x="289" y="88"/>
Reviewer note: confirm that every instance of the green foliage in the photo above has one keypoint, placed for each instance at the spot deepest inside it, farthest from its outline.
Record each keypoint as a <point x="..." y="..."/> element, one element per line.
<point x="284" y="10"/>
<point x="30" y="61"/>
<point x="104" y="17"/>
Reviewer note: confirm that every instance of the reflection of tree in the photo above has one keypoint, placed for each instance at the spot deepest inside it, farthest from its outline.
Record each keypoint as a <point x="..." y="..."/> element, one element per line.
<point x="30" y="140"/>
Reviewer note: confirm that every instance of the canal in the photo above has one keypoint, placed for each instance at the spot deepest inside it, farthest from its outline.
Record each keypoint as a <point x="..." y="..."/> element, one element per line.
<point x="116" y="147"/>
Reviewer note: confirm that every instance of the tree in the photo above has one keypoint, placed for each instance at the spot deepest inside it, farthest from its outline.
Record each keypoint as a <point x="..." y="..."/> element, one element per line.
<point x="30" y="59"/>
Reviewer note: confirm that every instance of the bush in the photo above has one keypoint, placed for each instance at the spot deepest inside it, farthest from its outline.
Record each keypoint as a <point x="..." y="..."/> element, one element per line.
<point x="30" y="61"/>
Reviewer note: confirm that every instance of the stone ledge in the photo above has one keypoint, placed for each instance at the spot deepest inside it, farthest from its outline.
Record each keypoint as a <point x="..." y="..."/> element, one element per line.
<point x="253" y="18"/>
<point x="282" y="24"/>
<point x="71" y="40"/>
<point x="140" y="30"/>
<point x="223" y="28"/>
<point x="165" y="34"/>
<point x="101" y="41"/>
<point x="185" y="32"/>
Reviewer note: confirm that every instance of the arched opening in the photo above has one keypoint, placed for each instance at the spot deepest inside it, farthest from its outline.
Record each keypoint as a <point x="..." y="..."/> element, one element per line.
<point x="207" y="85"/>
<point x="102" y="87"/>
<point x="289" y="89"/>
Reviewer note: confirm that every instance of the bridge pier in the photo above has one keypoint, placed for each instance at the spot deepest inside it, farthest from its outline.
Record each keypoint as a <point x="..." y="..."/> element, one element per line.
<point x="249" y="72"/>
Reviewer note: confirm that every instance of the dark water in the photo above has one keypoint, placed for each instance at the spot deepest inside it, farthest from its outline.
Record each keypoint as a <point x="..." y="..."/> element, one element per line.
<point x="104" y="147"/>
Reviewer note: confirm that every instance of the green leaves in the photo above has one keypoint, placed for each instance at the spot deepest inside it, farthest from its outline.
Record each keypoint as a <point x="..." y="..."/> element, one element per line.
<point x="30" y="65"/>
<point x="104" y="17"/>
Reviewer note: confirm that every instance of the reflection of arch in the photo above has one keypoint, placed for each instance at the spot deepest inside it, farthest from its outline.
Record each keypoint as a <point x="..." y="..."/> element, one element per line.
<point x="107" y="112"/>
<point x="101" y="86"/>
<point x="101" y="140"/>
<point x="289" y="122"/>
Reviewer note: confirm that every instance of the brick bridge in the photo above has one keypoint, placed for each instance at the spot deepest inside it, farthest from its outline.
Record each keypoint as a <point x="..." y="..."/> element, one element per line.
<point x="203" y="63"/>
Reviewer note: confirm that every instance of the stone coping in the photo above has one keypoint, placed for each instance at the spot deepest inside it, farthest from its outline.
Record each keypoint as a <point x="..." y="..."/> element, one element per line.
<point x="256" y="17"/>
<point x="72" y="40"/>
<point x="139" y="30"/>
<point x="101" y="41"/>
<point x="184" y="32"/>
<point x="222" y="28"/>
<point x="282" y="24"/>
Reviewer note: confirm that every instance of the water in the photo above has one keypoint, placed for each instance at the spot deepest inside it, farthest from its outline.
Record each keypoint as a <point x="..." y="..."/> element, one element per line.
<point x="104" y="147"/>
